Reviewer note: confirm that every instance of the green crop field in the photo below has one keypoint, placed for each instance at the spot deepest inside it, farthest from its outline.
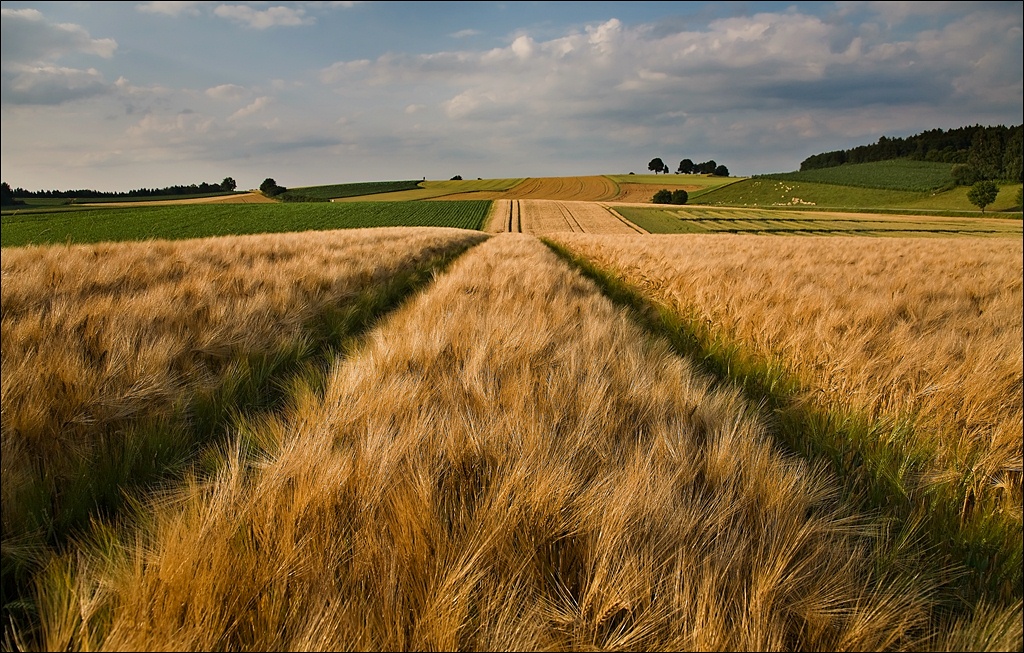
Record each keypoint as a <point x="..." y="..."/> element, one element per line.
<point x="329" y="192"/>
<point x="764" y="192"/>
<point x="753" y="221"/>
<point x="202" y="220"/>
<point x="898" y="174"/>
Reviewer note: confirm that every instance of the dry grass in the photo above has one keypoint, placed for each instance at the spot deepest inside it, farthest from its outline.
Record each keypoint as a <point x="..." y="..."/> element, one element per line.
<point x="98" y="339"/>
<point x="509" y="463"/>
<point x="930" y="328"/>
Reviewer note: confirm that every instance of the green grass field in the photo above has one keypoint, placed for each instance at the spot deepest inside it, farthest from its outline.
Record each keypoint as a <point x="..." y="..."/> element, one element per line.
<point x="692" y="220"/>
<point x="898" y="174"/>
<point x="202" y="220"/>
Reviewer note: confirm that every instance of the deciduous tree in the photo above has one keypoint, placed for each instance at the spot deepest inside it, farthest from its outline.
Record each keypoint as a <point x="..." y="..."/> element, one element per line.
<point x="983" y="193"/>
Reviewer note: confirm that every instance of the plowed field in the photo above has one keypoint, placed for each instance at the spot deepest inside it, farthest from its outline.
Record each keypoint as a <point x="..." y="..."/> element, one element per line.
<point x="553" y="216"/>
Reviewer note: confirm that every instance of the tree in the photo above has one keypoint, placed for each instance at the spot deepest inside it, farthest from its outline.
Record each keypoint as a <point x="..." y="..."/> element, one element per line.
<point x="680" y="196"/>
<point x="228" y="184"/>
<point x="270" y="188"/>
<point x="685" y="167"/>
<point x="708" y="167"/>
<point x="456" y="178"/>
<point x="663" y="196"/>
<point x="657" y="165"/>
<point x="983" y="193"/>
<point x="6" y="194"/>
<point x="721" y="171"/>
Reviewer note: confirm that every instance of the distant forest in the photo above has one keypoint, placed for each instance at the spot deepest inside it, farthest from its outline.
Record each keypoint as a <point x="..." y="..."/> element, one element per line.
<point x="14" y="194"/>
<point x="978" y="152"/>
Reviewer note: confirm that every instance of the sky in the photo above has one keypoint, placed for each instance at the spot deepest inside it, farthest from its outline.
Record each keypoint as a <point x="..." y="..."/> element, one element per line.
<point x="114" y="96"/>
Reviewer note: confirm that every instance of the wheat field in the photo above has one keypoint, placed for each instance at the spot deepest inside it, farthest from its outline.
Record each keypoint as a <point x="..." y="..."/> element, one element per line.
<point x="888" y="326"/>
<point x="506" y="464"/>
<point x="508" y="460"/>
<point x="106" y="349"/>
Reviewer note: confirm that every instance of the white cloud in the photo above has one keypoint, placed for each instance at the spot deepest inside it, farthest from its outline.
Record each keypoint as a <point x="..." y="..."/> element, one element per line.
<point x="26" y="36"/>
<point x="227" y="92"/>
<point x="256" y="106"/>
<point x="32" y="48"/>
<point x="278" y="16"/>
<point x="465" y="33"/>
<point x="51" y="85"/>
<point x="171" y="8"/>
<point x="171" y="129"/>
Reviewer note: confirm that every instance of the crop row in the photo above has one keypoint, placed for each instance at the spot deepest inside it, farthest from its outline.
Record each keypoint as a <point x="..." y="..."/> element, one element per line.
<point x="665" y="221"/>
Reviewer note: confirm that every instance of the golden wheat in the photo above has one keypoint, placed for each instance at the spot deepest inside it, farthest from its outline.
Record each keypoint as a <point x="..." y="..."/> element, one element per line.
<point x="888" y="326"/>
<point x="509" y="463"/>
<point x="97" y="337"/>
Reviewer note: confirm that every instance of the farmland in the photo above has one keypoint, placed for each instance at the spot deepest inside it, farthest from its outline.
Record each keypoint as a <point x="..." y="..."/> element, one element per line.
<point x="325" y="193"/>
<point x="899" y="174"/>
<point x="202" y="220"/>
<point x="705" y="220"/>
<point x="122" y="362"/>
<point x="553" y="216"/>
<point x="480" y="189"/>
<point x="393" y="425"/>
<point x="420" y="503"/>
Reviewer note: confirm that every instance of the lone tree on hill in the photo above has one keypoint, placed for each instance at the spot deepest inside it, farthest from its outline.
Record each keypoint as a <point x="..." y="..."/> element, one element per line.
<point x="657" y="165"/>
<point x="983" y="193"/>
<point x="228" y="184"/>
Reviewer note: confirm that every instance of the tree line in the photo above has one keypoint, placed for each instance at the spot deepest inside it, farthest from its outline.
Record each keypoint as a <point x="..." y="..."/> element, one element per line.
<point x="979" y="153"/>
<point x="688" y="167"/>
<point x="12" y="195"/>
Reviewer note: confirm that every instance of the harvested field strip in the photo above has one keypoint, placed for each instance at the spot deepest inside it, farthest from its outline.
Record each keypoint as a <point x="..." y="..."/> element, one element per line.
<point x="909" y="383"/>
<point x="593" y="189"/>
<point x="121" y="362"/>
<point x="551" y="216"/>
<point x="509" y="464"/>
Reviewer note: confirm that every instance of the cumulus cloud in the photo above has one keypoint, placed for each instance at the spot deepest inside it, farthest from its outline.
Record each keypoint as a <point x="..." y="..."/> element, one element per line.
<point x="50" y="85"/>
<point x="767" y="61"/>
<point x="255" y="107"/>
<point x="171" y="129"/>
<point x="26" y="36"/>
<point x="226" y="92"/>
<point x="278" y="16"/>
<point x="171" y="8"/>
<point x="32" y="48"/>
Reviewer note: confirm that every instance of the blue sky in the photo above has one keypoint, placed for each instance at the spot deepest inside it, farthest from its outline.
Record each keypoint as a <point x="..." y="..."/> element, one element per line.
<point x="121" y="95"/>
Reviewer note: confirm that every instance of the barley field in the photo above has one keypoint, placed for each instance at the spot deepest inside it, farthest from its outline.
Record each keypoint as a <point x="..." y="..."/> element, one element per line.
<point x="507" y="464"/>
<point x="120" y="360"/>
<point x="922" y="338"/>
<point x="430" y="438"/>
